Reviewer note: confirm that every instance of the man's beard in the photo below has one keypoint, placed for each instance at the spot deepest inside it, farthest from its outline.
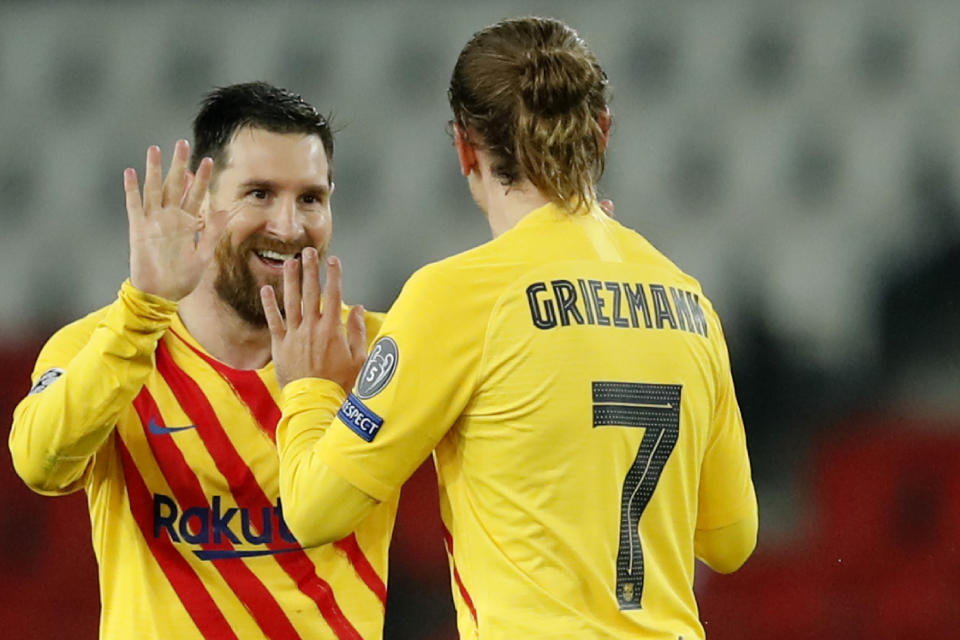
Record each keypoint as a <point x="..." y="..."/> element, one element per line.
<point x="236" y="284"/>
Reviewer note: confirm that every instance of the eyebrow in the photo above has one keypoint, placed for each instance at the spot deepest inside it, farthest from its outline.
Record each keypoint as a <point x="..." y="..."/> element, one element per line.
<point x="270" y="185"/>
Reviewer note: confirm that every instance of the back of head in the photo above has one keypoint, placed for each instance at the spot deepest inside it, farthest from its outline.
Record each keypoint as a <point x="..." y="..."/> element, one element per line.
<point x="253" y="104"/>
<point x="534" y="94"/>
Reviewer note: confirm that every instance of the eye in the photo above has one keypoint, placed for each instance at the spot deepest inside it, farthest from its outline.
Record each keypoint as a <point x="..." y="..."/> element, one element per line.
<point x="259" y="194"/>
<point x="311" y="198"/>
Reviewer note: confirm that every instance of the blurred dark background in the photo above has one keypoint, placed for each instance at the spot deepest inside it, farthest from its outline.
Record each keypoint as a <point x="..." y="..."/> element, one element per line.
<point x="802" y="160"/>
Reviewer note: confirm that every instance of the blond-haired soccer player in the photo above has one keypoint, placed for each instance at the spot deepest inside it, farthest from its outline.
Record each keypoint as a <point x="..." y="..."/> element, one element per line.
<point x="572" y="382"/>
<point x="163" y="405"/>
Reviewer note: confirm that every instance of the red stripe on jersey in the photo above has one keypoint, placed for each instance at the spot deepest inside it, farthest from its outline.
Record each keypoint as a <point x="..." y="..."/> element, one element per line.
<point x="254" y="393"/>
<point x="251" y="389"/>
<point x="188" y="491"/>
<point x="184" y="580"/>
<point x="362" y="566"/>
<point x="448" y="540"/>
<point x="247" y="492"/>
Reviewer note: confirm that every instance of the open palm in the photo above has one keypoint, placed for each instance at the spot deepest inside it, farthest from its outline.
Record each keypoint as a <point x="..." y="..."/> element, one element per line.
<point x="168" y="249"/>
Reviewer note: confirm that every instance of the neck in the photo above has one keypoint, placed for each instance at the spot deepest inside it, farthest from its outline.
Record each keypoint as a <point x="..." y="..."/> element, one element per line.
<point x="221" y="332"/>
<point x="506" y="206"/>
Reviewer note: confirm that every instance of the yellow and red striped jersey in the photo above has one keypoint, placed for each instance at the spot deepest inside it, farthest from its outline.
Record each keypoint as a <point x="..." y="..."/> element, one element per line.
<point x="187" y="524"/>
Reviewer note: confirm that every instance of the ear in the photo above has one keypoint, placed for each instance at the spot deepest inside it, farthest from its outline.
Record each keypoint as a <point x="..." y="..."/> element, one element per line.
<point x="605" y="121"/>
<point x="466" y="153"/>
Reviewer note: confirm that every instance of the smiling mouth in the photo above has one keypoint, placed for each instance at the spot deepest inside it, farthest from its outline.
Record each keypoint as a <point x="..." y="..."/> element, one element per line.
<point x="275" y="258"/>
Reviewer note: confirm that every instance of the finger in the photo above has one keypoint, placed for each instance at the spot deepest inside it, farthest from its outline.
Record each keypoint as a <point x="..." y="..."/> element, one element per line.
<point x="268" y="298"/>
<point x="198" y="187"/>
<point x="187" y="181"/>
<point x="607" y="205"/>
<point x="357" y="334"/>
<point x="311" y="282"/>
<point x="152" y="181"/>
<point x="173" y="185"/>
<point x="131" y="189"/>
<point x="291" y="292"/>
<point x="332" y="293"/>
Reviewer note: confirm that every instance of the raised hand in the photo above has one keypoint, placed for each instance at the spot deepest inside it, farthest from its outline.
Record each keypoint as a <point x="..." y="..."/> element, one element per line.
<point x="311" y="344"/>
<point x="168" y="249"/>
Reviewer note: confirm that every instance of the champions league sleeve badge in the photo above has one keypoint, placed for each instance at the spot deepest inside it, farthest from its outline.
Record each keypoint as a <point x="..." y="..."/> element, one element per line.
<point x="378" y="369"/>
<point x="47" y="378"/>
<point x="376" y="373"/>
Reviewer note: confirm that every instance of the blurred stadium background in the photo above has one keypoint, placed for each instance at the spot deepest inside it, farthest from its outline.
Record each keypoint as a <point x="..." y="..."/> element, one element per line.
<point x="802" y="159"/>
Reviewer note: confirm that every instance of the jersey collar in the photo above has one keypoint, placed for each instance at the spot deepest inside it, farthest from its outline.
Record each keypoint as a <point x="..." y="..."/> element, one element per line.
<point x="552" y="213"/>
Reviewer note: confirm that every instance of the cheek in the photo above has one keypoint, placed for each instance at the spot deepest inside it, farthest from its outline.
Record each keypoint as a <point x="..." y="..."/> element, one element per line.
<point x="319" y="233"/>
<point x="241" y="222"/>
<point x="217" y="224"/>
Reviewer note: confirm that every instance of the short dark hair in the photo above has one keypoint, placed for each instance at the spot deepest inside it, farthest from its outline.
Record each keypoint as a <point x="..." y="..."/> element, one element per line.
<point x="253" y="104"/>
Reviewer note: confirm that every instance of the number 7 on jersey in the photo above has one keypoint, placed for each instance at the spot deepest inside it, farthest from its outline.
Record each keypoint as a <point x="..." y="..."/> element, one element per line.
<point x="656" y="407"/>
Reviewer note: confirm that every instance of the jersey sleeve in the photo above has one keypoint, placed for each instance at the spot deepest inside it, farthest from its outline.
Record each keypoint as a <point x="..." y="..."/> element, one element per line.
<point x="419" y="376"/>
<point x="84" y="377"/>
<point x="307" y="485"/>
<point x="726" y="487"/>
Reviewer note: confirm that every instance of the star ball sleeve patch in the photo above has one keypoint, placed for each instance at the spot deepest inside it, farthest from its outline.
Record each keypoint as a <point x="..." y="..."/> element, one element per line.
<point x="378" y="369"/>
<point x="45" y="380"/>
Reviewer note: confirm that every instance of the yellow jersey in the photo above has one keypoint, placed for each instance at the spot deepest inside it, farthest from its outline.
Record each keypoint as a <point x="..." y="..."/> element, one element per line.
<point x="176" y="452"/>
<point x="575" y="387"/>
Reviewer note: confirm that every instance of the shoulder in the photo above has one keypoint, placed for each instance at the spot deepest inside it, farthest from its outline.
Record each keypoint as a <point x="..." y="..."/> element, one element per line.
<point x="80" y="329"/>
<point x="469" y="269"/>
<point x="68" y="340"/>
<point x="643" y="251"/>
<point x="451" y="297"/>
<point x="429" y="279"/>
<point x="462" y="280"/>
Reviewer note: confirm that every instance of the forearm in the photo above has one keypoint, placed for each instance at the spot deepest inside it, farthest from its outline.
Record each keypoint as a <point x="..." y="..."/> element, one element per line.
<point x="319" y="505"/>
<point x="725" y="549"/>
<point x="57" y="431"/>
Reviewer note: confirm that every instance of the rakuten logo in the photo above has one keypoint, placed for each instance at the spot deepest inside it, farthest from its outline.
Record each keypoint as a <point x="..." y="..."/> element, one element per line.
<point x="214" y="525"/>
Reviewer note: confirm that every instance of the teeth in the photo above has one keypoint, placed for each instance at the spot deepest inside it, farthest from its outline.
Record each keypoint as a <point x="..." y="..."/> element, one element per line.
<point x="273" y="255"/>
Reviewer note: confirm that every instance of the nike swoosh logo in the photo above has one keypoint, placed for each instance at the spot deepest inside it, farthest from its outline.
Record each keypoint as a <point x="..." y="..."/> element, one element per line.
<point x="158" y="430"/>
<point x="218" y="554"/>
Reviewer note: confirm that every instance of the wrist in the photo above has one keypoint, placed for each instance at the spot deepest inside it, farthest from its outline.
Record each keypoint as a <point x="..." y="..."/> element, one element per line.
<point x="142" y="294"/>
<point x="301" y="390"/>
<point x="146" y="309"/>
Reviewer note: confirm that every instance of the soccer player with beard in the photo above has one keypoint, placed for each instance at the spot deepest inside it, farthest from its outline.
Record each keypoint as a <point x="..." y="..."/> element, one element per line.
<point x="163" y="405"/>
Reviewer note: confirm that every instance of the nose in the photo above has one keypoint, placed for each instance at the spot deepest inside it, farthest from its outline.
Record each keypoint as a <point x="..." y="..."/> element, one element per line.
<point x="285" y="222"/>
